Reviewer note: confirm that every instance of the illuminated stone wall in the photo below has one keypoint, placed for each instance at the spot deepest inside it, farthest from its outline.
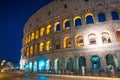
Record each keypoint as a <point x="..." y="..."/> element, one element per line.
<point x="99" y="38"/>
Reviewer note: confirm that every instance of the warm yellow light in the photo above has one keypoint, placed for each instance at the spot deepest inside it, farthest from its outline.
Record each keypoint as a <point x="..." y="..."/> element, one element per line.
<point x="28" y="38"/>
<point x="32" y="36"/>
<point x="31" y="50"/>
<point x="35" y="48"/>
<point x="42" y="31"/>
<point x="118" y="35"/>
<point x="55" y="25"/>
<point x="49" y="29"/>
<point x="78" y="41"/>
<point x="36" y="34"/>
<point x="64" y="24"/>
<point x="41" y="47"/>
<point x="77" y="17"/>
<point x="27" y="52"/>
<point x="48" y="45"/>
<point x="58" y="44"/>
<point x="89" y="14"/>
<point x="66" y="40"/>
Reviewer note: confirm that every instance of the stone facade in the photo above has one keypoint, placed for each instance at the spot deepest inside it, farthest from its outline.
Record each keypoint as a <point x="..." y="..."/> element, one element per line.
<point x="58" y="11"/>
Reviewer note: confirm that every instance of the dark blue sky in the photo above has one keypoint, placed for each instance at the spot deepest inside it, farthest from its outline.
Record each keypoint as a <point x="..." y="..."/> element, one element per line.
<point x="13" y="15"/>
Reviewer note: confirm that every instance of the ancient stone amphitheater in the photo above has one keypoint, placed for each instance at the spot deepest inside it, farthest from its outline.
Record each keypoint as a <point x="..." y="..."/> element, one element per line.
<point x="67" y="34"/>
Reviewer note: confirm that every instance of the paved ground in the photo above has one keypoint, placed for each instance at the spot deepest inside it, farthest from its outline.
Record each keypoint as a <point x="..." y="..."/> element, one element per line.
<point x="29" y="76"/>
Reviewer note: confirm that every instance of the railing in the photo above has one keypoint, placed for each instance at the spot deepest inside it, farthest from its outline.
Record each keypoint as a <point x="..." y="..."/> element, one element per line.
<point x="99" y="72"/>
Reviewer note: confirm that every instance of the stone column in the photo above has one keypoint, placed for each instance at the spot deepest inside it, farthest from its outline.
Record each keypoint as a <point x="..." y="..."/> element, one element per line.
<point x="103" y="62"/>
<point x="95" y="17"/>
<point x="63" y="67"/>
<point x="88" y="63"/>
<point x="74" y="63"/>
<point x="108" y="14"/>
<point x="83" y="19"/>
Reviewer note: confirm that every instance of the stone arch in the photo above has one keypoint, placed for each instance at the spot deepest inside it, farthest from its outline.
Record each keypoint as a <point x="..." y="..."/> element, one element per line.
<point x="66" y="24"/>
<point x="118" y="35"/>
<point x="89" y="19"/>
<point x="26" y="67"/>
<point x="41" y="47"/>
<point x="67" y="42"/>
<point x="49" y="29"/>
<point x="69" y="63"/>
<point x="30" y="66"/>
<point x="48" y="45"/>
<point x="57" y="26"/>
<point x="79" y="40"/>
<point x="42" y="31"/>
<point x="101" y="17"/>
<point x="42" y="63"/>
<point x="48" y="64"/>
<point x="106" y="37"/>
<point x="57" y="44"/>
<point x="57" y="64"/>
<point x="35" y="66"/>
<point x="92" y="38"/>
<point x="77" y="21"/>
<point x="111" y="60"/>
<point x="115" y="15"/>
<point x="95" y="61"/>
<point x="81" y="61"/>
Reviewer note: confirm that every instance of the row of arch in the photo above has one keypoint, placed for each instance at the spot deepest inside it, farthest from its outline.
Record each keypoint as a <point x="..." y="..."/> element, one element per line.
<point x="67" y="43"/>
<point x="57" y="64"/>
<point x="77" y="21"/>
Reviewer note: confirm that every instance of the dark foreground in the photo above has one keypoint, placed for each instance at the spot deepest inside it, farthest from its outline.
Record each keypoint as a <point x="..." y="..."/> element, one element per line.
<point x="30" y="76"/>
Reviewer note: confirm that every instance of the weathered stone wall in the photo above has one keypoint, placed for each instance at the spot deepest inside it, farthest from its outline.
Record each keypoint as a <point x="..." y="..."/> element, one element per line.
<point x="56" y="11"/>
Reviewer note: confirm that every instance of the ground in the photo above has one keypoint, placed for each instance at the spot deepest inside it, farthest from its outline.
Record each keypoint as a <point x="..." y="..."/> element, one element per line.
<point x="36" y="76"/>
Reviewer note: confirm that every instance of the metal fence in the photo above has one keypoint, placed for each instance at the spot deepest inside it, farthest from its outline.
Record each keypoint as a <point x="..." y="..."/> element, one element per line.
<point x="99" y="72"/>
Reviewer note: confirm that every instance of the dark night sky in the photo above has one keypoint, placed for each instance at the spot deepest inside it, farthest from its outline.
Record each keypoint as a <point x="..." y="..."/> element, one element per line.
<point x="13" y="15"/>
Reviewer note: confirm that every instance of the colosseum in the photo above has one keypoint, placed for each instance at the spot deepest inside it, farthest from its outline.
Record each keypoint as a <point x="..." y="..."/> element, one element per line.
<point x="67" y="34"/>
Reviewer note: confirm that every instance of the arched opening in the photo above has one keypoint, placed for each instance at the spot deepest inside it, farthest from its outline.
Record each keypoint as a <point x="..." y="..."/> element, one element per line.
<point x="57" y="27"/>
<point x="42" y="31"/>
<point x="32" y="36"/>
<point x="77" y="21"/>
<point x="49" y="29"/>
<point x="92" y="38"/>
<point x="36" y="34"/>
<point x="41" y="47"/>
<point x="81" y="61"/>
<point x="115" y="15"/>
<point x="69" y="64"/>
<point x="79" y="40"/>
<point x="35" y="48"/>
<point x="106" y="37"/>
<point x="48" y="64"/>
<point x="101" y="17"/>
<point x="111" y="60"/>
<point x="66" y="24"/>
<point x="58" y="44"/>
<point x="89" y="18"/>
<point x="57" y="64"/>
<point x="31" y="50"/>
<point x="30" y="66"/>
<point x="42" y="64"/>
<point x="26" y="67"/>
<point x="118" y="36"/>
<point x="35" y="66"/>
<point x="48" y="45"/>
<point x="96" y="64"/>
<point x="28" y="52"/>
<point x="67" y="42"/>
<point x="29" y="38"/>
